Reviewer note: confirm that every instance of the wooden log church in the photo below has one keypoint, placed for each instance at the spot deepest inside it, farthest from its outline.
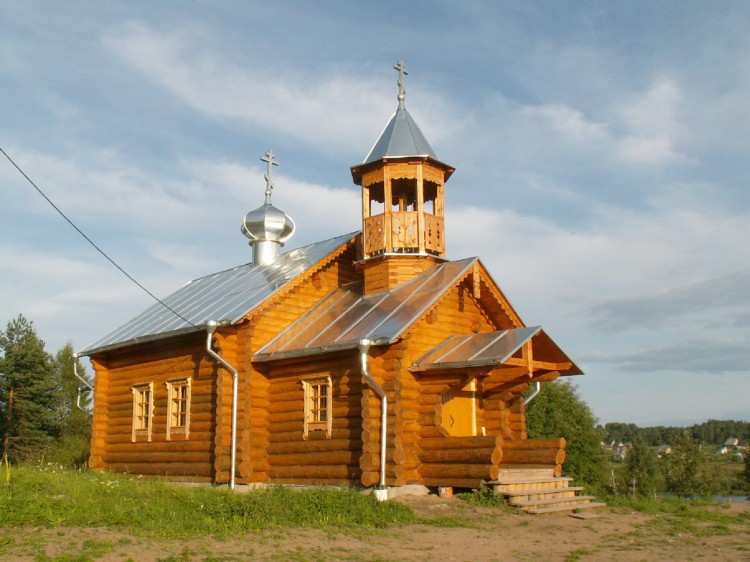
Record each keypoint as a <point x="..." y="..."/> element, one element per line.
<point x="367" y="359"/>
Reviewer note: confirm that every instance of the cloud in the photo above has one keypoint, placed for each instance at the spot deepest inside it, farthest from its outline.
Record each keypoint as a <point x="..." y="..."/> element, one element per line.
<point x="327" y="109"/>
<point x="719" y="301"/>
<point x="706" y="355"/>
<point x="651" y="119"/>
<point x="570" y="122"/>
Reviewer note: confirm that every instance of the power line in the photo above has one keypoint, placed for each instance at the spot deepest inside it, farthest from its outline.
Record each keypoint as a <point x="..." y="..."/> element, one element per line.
<point x="98" y="249"/>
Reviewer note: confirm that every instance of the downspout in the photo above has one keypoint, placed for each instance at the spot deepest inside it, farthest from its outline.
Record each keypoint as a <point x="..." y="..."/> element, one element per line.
<point x="211" y="326"/>
<point x="534" y="394"/>
<point x="81" y="389"/>
<point x="381" y="493"/>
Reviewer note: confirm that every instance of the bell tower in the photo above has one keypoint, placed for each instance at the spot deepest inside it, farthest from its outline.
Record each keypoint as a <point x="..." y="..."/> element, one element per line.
<point x="402" y="180"/>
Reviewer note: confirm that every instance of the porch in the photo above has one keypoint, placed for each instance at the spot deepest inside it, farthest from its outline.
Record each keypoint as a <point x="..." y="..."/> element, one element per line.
<point x="528" y="472"/>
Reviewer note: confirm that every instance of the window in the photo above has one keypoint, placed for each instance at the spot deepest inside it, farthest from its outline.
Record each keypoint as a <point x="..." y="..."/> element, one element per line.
<point x="178" y="408"/>
<point x="143" y="409"/>
<point x="318" y="405"/>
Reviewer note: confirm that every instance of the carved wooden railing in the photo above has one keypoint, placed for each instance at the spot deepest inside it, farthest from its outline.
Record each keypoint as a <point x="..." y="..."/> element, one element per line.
<point x="403" y="227"/>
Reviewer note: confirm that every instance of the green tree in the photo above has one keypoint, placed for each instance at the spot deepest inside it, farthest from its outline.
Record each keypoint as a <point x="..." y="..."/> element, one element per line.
<point x="682" y="473"/>
<point x="558" y="411"/>
<point x="72" y="447"/>
<point x="29" y="400"/>
<point x="747" y="474"/>
<point x="641" y="468"/>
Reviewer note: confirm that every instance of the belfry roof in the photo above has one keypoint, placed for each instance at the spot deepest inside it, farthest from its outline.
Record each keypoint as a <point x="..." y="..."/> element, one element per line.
<point x="400" y="138"/>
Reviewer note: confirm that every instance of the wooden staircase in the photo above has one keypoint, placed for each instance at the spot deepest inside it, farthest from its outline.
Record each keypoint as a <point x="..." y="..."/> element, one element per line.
<point x="538" y="490"/>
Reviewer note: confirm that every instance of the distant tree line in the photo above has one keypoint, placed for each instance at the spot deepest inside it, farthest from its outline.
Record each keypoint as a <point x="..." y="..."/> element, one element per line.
<point x="39" y="416"/>
<point x="688" y="471"/>
<point x="711" y="432"/>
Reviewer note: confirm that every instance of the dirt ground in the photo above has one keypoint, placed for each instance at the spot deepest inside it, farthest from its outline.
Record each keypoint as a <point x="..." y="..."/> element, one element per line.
<point x="489" y="534"/>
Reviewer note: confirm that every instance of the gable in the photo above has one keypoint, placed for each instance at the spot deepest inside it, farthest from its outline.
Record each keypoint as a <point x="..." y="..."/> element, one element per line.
<point x="486" y="291"/>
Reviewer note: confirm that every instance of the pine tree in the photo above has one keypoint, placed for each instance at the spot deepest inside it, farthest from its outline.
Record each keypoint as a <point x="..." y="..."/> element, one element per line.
<point x="558" y="411"/>
<point x="29" y="400"/>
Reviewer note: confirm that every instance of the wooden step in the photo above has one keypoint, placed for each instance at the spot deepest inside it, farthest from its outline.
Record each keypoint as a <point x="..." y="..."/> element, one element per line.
<point x="527" y="472"/>
<point x="539" y="491"/>
<point x="505" y="480"/>
<point x="558" y="508"/>
<point x="569" y="500"/>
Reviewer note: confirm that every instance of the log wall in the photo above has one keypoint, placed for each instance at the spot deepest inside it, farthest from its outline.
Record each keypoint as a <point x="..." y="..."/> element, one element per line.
<point x="192" y="458"/>
<point x="205" y="455"/>
<point x="534" y="453"/>
<point x="264" y="324"/>
<point x="317" y="459"/>
<point x="385" y="367"/>
<point x="385" y="273"/>
<point x="428" y="454"/>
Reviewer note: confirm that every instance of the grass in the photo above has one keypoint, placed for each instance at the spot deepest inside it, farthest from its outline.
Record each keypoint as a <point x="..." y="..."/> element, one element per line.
<point x="52" y="497"/>
<point x="679" y="517"/>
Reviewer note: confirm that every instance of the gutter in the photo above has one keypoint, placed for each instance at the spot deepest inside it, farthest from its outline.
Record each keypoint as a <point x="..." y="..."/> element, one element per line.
<point x="381" y="493"/>
<point x="211" y="326"/>
<point x="534" y="394"/>
<point x="81" y="389"/>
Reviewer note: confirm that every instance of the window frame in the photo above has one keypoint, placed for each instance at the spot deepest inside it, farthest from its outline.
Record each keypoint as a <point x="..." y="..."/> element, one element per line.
<point x="142" y="424"/>
<point x="174" y="400"/>
<point x="312" y="405"/>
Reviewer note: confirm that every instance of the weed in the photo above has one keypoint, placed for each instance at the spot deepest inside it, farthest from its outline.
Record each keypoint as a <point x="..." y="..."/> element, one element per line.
<point x="485" y="497"/>
<point x="185" y="556"/>
<point x="576" y="555"/>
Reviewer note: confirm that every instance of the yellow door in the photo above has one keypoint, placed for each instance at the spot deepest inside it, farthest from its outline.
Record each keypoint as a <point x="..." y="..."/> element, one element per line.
<point x="459" y="410"/>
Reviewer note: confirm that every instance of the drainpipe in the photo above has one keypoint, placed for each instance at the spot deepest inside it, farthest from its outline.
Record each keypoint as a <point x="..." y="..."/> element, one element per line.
<point x="381" y="493"/>
<point x="534" y="394"/>
<point x="211" y="326"/>
<point x="81" y="389"/>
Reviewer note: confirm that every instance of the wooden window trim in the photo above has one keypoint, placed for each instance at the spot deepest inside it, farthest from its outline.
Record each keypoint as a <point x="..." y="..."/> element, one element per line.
<point x="172" y="399"/>
<point x="313" y="409"/>
<point x="140" y="420"/>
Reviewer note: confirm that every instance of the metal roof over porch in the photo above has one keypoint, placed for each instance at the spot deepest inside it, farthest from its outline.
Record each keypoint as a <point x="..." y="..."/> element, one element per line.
<point x="492" y="349"/>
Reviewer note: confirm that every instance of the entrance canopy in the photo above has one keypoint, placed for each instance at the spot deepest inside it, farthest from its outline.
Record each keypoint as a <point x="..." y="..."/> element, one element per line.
<point x="521" y="347"/>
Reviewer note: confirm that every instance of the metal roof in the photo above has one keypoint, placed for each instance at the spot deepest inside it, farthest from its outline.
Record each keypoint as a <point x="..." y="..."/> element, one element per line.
<point x="491" y="349"/>
<point x="226" y="297"/>
<point x="346" y="316"/>
<point x="400" y="138"/>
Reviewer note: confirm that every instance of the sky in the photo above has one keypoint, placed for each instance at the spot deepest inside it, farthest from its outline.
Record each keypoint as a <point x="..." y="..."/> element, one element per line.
<point x="602" y="155"/>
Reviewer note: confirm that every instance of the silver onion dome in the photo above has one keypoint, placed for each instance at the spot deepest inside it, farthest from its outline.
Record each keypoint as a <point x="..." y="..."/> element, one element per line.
<point x="267" y="227"/>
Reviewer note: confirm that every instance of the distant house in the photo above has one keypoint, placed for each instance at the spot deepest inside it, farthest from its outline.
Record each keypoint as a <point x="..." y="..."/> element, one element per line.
<point x="620" y="451"/>
<point x="731" y="442"/>
<point x="663" y="450"/>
